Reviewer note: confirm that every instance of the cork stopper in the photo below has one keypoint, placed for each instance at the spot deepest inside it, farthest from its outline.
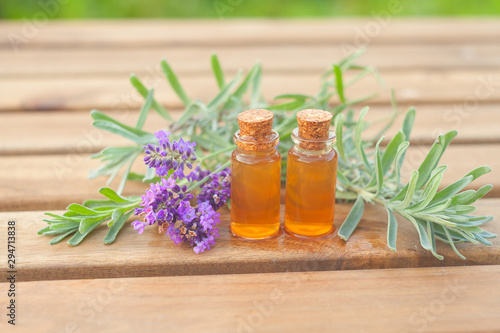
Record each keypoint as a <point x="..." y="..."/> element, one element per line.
<point x="256" y="130"/>
<point x="314" y="125"/>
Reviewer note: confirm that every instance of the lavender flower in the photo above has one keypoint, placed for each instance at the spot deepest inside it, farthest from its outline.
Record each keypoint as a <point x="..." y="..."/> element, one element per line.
<point x="217" y="189"/>
<point x="170" y="155"/>
<point x="168" y="204"/>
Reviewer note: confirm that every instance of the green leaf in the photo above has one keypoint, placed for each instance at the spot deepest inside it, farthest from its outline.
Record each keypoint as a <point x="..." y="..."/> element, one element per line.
<point x="174" y="82"/>
<point x="398" y="161"/>
<point x="121" y="186"/>
<point x="430" y="190"/>
<point x="63" y="218"/>
<point x="408" y="123"/>
<point x="112" y="195"/>
<point x="450" y="241"/>
<point x="109" y="124"/>
<point x="436" y="208"/>
<point x="424" y="239"/>
<point x="479" y="194"/>
<point x="150" y="174"/>
<point x="118" y="221"/>
<point x="224" y="94"/>
<point x="462" y="197"/>
<point x="464" y="209"/>
<point x="352" y="219"/>
<point x="59" y="238"/>
<point x="339" y="125"/>
<point x="339" y="82"/>
<point x="407" y="191"/>
<point x="98" y="203"/>
<point x="391" y="150"/>
<point x="450" y="190"/>
<point x="293" y="96"/>
<point x="64" y="225"/>
<point x="358" y="143"/>
<point x="348" y="61"/>
<point x="78" y="236"/>
<point x="392" y="230"/>
<point x="141" y="89"/>
<point x="145" y="110"/>
<point x="379" y="172"/>
<point x="191" y="110"/>
<point x="41" y="231"/>
<point x="82" y="210"/>
<point x="432" y="159"/>
<point x="243" y="87"/>
<point x="256" y="94"/>
<point x="478" y="172"/>
<point x="287" y="106"/>
<point x="216" y="68"/>
<point x="432" y="240"/>
<point x="88" y="223"/>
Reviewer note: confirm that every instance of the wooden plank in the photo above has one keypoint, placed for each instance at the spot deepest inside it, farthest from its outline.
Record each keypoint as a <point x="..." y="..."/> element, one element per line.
<point x="72" y="132"/>
<point x="275" y="59"/>
<point x="412" y="87"/>
<point x="53" y="181"/>
<point x="137" y="33"/>
<point x="451" y="299"/>
<point x="48" y="181"/>
<point x="153" y="254"/>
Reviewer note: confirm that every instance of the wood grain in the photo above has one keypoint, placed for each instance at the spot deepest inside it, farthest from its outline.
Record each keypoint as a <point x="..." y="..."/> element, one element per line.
<point x="449" y="299"/>
<point x="218" y="33"/>
<point x="47" y="181"/>
<point x="153" y="254"/>
<point x="71" y="132"/>
<point x="71" y="62"/>
<point x="116" y="93"/>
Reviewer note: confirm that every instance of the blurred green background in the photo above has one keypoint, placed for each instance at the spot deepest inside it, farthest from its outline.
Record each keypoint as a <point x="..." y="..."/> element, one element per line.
<point x="70" y="9"/>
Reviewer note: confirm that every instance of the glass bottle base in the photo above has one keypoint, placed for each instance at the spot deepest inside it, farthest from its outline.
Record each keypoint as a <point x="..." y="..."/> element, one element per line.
<point x="257" y="236"/>
<point x="329" y="234"/>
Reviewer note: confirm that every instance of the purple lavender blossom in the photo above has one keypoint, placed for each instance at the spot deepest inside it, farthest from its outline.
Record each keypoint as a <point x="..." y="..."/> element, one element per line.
<point x="216" y="190"/>
<point x="197" y="174"/>
<point x="139" y="226"/>
<point x="170" y="155"/>
<point x="168" y="204"/>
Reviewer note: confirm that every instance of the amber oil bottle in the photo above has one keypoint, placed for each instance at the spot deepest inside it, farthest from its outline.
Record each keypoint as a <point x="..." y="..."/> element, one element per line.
<point x="311" y="176"/>
<point x="256" y="177"/>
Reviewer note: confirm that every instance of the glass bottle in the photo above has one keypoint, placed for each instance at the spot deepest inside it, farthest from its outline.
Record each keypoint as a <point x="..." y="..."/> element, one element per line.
<point x="255" y="177"/>
<point x="311" y="176"/>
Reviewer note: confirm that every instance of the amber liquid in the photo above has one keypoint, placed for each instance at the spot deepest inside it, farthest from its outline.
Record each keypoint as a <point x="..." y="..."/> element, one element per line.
<point x="255" y="193"/>
<point x="310" y="192"/>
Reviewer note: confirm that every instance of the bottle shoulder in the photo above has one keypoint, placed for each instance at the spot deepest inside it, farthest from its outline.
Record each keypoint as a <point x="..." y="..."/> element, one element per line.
<point x="252" y="157"/>
<point x="312" y="156"/>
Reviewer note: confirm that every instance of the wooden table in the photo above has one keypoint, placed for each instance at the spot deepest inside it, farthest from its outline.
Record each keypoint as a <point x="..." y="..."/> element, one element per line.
<point x="448" y="68"/>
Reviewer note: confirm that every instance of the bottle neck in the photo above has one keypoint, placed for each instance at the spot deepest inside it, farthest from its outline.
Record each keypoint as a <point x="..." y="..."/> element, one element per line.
<point x="313" y="146"/>
<point x="258" y="153"/>
<point x="265" y="145"/>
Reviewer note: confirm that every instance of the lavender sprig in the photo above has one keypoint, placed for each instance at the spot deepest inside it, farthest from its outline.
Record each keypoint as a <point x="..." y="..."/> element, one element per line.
<point x="170" y="155"/>
<point x="168" y="204"/>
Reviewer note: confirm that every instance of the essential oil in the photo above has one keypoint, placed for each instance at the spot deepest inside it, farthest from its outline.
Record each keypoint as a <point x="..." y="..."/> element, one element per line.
<point x="311" y="176"/>
<point x="256" y="177"/>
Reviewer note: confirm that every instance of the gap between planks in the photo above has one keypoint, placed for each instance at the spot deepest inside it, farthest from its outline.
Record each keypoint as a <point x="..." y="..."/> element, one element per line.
<point x="449" y="299"/>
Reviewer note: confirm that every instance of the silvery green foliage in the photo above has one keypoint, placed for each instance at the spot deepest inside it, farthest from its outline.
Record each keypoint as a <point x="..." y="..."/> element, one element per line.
<point x="366" y="173"/>
<point x="436" y="214"/>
